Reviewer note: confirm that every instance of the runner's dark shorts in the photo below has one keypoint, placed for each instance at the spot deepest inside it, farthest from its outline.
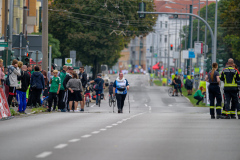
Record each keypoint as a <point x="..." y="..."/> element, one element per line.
<point x="75" y="96"/>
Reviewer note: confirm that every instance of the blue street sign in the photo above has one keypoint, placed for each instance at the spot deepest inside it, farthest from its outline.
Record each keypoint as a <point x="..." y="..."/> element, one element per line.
<point x="191" y="54"/>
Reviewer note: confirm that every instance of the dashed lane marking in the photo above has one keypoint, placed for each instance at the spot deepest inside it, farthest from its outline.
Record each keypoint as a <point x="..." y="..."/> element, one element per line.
<point x="93" y="105"/>
<point x="74" y="140"/>
<point x="103" y="129"/>
<point x="44" y="155"/>
<point x="114" y="124"/>
<point x="109" y="127"/>
<point x="86" y="136"/>
<point x="146" y="105"/>
<point x="95" y="132"/>
<point x="60" y="146"/>
<point x="119" y="122"/>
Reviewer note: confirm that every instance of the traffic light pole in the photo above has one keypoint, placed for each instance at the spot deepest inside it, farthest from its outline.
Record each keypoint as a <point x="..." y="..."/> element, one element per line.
<point x="190" y="14"/>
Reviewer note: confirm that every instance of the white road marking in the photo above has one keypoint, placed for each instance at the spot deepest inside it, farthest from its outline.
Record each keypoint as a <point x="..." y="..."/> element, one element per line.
<point x="60" y="146"/>
<point x="93" y="105"/>
<point x="95" y="132"/>
<point x="119" y="122"/>
<point x="114" y="124"/>
<point x="109" y="127"/>
<point x="74" y="140"/>
<point x="44" y="155"/>
<point x="146" y="105"/>
<point x="150" y="108"/>
<point x="170" y="105"/>
<point x="103" y="129"/>
<point x="124" y="119"/>
<point x="86" y="136"/>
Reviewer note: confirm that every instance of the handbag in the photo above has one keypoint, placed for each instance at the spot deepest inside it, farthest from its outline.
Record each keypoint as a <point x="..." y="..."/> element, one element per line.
<point x="19" y="85"/>
<point x="96" y="86"/>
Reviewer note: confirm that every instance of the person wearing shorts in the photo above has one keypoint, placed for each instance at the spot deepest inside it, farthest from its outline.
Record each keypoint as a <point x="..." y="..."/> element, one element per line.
<point x="74" y="86"/>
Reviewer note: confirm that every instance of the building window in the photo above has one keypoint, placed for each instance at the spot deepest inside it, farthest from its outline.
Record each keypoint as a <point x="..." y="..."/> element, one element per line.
<point x="165" y="39"/>
<point x="160" y="38"/>
<point x="166" y="23"/>
<point x="160" y="24"/>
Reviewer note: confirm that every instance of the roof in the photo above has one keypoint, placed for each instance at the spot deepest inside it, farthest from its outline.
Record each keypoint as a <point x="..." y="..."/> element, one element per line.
<point x="161" y="5"/>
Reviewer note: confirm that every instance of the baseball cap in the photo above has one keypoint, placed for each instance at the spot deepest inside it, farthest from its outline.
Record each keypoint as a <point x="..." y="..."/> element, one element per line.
<point x="100" y="75"/>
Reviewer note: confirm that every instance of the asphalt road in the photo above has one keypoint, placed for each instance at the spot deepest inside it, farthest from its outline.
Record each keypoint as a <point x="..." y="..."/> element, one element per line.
<point x="159" y="127"/>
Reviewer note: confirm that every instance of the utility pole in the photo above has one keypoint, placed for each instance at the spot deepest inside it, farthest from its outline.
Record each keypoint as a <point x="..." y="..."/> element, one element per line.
<point x="25" y="10"/>
<point x="215" y="34"/>
<point x="179" y="63"/>
<point x="168" y="75"/>
<point x="205" y="51"/>
<point x="189" y="40"/>
<point x="5" y="27"/>
<point x="50" y="58"/>
<point x="45" y="35"/>
<point x="10" y="25"/>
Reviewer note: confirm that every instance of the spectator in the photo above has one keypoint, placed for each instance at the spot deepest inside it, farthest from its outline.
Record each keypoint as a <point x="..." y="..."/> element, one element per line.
<point x="67" y="78"/>
<point x="189" y="86"/>
<point x="37" y="84"/>
<point x="44" y="74"/>
<point x="198" y="95"/>
<point x="1" y="73"/>
<point x="21" y="93"/>
<point x="33" y="69"/>
<point x="54" y="90"/>
<point x="13" y="72"/>
<point x="62" y="89"/>
<point x="20" y="64"/>
<point x="29" y="69"/>
<point x="74" y="86"/>
<point x="83" y="78"/>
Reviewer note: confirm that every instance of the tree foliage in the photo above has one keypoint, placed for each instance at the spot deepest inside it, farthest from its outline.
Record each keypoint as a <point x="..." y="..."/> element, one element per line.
<point x="97" y="29"/>
<point x="223" y="47"/>
<point x="230" y="15"/>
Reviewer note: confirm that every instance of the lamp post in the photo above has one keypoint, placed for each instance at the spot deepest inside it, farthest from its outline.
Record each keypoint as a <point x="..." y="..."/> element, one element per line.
<point x="205" y="51"/>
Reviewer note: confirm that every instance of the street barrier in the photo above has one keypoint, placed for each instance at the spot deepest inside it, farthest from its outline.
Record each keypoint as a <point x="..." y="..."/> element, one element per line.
<point x="4" y="109"/>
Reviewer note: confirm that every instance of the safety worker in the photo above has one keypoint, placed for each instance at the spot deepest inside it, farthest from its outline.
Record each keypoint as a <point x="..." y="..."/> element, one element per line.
<point x="230" y="76"/>
<point x="214" y="91"/>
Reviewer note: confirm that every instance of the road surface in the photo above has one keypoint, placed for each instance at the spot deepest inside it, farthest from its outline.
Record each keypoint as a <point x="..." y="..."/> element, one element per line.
<point x="159" y="127"/>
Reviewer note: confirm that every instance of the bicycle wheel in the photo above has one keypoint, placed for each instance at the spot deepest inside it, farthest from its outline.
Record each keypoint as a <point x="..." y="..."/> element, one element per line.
<point x="170" y="91"/>
<point x="110" y="102"/>
<point x="99" y="100"/>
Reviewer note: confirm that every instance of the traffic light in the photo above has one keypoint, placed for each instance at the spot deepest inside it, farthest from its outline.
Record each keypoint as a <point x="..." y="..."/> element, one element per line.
<point x="26" y="59"/>
<point x="171" y="46"/>
<point x="142" y="8"/>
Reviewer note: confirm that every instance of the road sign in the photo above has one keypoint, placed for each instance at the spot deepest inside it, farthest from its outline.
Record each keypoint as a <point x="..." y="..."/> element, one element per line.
<point x="68" y="61"/>
<point x="191" y="53"/>
<point x="37" y="56"/>
<point x="3" y="44"/>
<point x="198" y="48"/>
<point x="176" y="55"/>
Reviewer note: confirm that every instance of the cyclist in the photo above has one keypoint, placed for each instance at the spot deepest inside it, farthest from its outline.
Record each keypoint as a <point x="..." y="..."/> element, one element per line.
<point x="88" y="90"/>
<point x="101" y="85"/>
<point x="120" y="86"/>
<point x="177" y="85"/>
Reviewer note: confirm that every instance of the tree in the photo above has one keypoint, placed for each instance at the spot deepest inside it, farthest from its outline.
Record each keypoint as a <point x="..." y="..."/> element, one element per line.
<point x="223" y="50"/>
<point x="230" y="14"/>
<point x="90" y="28"/>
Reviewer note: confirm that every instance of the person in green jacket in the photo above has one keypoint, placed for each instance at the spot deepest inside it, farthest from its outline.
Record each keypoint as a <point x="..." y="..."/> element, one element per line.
<point x="61" y="104"/>
<point x="198" y="95"/>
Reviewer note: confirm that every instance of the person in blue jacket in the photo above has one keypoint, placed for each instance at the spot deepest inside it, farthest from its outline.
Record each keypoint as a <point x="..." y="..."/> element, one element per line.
<point x="120" y="86"/>
<point x="37" y="85"/>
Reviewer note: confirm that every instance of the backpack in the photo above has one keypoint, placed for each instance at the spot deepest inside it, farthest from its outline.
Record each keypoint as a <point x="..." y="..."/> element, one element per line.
<point x="96" y="86"/>
<point x="7" y="79"/>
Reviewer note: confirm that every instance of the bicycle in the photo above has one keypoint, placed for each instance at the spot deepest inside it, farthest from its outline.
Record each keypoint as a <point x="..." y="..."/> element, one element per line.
<point x="170" y="91"/>
<point x="112" y="100"/>
<point x="87" y="101"/>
